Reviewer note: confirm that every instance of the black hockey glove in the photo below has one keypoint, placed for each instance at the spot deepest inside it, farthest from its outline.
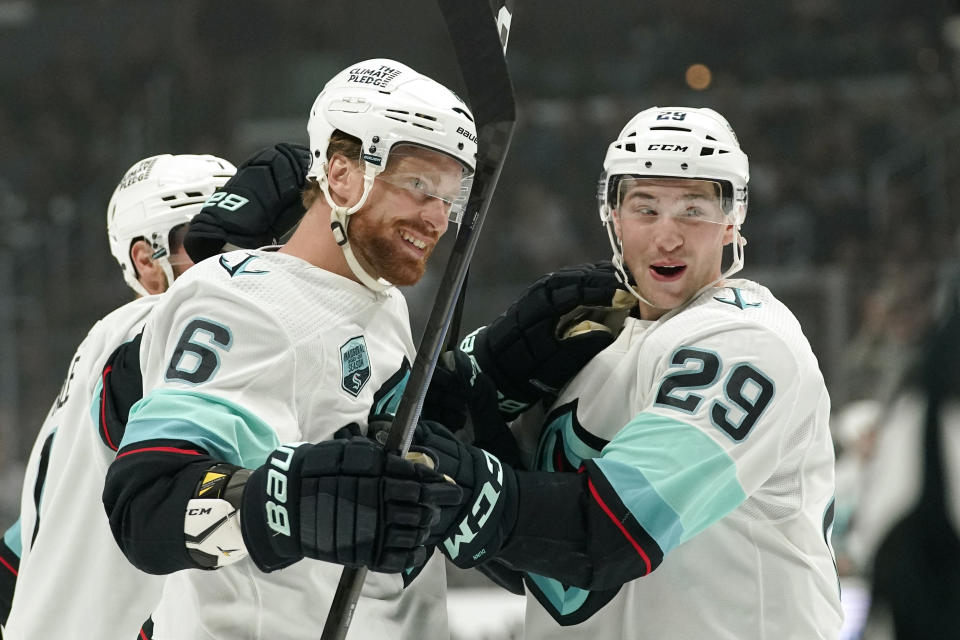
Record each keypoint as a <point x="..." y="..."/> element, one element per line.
<point x="543" y="339"/>
<point x="476" y="529"/>
<point x="342" y="501"/>
<point x="258" y="206"/>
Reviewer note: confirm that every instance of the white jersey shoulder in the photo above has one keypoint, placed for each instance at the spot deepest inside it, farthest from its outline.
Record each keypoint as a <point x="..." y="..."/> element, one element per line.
<point x="97" y="593"/>
<point x="711" y="426"/>
<point x="295" y="352"/>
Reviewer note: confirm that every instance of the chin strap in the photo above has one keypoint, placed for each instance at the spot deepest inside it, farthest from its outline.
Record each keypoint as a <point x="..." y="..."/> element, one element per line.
<point x="340" y="219"/>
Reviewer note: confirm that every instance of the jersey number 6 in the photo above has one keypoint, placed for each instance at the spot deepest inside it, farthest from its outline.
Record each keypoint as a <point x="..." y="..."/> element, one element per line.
<point x="746" y="388"/>
<point x="193" y="361"/>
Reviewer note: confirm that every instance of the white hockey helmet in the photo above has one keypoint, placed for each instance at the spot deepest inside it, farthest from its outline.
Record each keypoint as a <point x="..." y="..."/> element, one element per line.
<point x="677" y="142"/>
<point x="155" y="195"/>
<point x="384" y="103"/>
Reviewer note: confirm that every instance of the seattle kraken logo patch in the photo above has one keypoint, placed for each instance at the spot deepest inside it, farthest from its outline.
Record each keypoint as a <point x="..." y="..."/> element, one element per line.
<point x="354" y="365"/>
<point x="242" y="267"/>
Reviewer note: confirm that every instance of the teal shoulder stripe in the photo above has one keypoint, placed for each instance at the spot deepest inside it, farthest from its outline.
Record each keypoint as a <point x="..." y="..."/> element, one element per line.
<point x="564" y="600"/>
<point x="226" y="430"/>
<point x="11" y="537"/>
<point x="673" y="478"/>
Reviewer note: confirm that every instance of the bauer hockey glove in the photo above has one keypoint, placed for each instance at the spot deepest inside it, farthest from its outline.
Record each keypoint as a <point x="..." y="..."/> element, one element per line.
<point x="533" y="349"/>
<point x="258" y="206"/>
<point x="342" y="501"/>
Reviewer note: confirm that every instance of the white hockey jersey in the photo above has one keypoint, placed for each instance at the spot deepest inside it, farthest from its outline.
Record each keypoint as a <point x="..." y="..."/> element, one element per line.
<point x="711" y="426"/>
<point x="74" y="582"/>
<point x="251" y="350"/>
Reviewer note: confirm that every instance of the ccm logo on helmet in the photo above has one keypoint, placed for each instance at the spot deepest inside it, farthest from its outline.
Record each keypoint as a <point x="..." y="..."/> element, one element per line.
<point x="277" y="517"/>
<point x="666" y="147"/>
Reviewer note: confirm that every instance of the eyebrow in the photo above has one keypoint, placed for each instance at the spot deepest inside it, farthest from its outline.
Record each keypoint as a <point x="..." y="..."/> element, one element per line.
<point x="636" y="193"/>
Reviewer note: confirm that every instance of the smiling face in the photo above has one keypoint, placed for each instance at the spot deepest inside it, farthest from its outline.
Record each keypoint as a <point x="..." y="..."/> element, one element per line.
<point x="673" y="232"/>
<point x="407" y="211"/>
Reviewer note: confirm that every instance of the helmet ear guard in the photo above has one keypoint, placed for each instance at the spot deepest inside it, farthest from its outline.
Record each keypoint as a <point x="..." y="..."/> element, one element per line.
<point x="155" y="195"/>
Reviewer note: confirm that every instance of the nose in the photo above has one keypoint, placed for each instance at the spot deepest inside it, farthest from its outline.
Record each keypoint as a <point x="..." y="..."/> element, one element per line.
<point x="436" y="214"/>
<point x="666" y="234"/>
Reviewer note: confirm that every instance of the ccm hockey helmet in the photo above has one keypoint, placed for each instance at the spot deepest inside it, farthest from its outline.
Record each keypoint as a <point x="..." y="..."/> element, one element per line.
<point x="677" y="142"/>
<point x="385" y="103"/>
<point x="155" y="195"/>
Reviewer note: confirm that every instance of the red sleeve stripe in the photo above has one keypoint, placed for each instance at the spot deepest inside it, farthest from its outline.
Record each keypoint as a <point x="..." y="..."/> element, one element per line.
<point x="143" y="635"/>
<point x="189" y="452"/>
<point x="616" y="521"/>
<point x="103" y="409"/>
<point x="8" y="565"/>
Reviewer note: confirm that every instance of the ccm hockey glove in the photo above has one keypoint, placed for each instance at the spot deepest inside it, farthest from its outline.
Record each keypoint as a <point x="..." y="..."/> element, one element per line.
<point x="474" y="530"/>
<point x="258" y="206"/>
<point x="342" y="501"/>
<point x="534" y="348"/>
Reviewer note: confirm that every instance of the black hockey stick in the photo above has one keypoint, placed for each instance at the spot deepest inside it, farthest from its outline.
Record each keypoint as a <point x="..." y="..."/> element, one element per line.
<point x="480" y="44"/>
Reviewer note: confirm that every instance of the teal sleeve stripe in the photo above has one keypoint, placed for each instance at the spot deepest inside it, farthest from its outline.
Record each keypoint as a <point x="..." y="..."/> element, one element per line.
<point x="576" y="449"/>
<point x="11" y="537"/>
<point x="673" y="478"/>
<point x="225" y="430"/>
<point x="565" y="601"/>
<point x="655" y="515"/>
<point x="95" y="404"/>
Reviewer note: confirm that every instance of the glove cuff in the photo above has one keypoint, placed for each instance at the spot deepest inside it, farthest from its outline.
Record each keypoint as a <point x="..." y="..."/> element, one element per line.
<point x="270" y="532"/>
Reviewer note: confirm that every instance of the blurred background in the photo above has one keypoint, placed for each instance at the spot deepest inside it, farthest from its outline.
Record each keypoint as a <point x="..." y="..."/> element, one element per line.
<point x="848" y="109"/>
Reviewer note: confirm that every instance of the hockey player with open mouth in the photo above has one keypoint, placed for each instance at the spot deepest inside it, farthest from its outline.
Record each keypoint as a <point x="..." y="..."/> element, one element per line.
<point x="681" y="485"/>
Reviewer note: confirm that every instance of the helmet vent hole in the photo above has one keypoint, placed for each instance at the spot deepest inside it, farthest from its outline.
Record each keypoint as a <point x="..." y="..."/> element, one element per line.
<point x="395" y="118"/>
<point x="723" y="151"/>
<point x="194" y="194"/>
<point x="422" y="126"/>
<point x="707" y="151"/>
<point x="632" y="134"/>
<point x="709" y="137"/>
<point x="168" y="198"/>
<point x="670" y="129"/>
<point x="463" y="113"/>
<point x="632" y="148"/>
<point x="425" y="116"/>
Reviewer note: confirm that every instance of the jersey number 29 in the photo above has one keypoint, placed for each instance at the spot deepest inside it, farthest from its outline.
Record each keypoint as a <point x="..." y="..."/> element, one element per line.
<point x="745" y="388"/>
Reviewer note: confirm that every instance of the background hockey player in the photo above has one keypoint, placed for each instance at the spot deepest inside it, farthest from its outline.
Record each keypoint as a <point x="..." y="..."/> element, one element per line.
<point x="682" y="483"/>
<point x="73" y="581"/>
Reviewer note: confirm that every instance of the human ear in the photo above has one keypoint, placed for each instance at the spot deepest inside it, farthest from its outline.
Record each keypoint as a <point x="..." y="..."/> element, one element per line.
<point x="728" y="234"/>
<point x="344" y="180"/>
<point x="149" y="273"/>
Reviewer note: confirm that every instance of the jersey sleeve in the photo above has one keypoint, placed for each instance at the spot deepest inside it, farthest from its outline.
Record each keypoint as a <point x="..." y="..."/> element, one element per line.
<point x="9" y="566"/>
<point x="218" y="375"/>
<point x="711" y="433"/>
